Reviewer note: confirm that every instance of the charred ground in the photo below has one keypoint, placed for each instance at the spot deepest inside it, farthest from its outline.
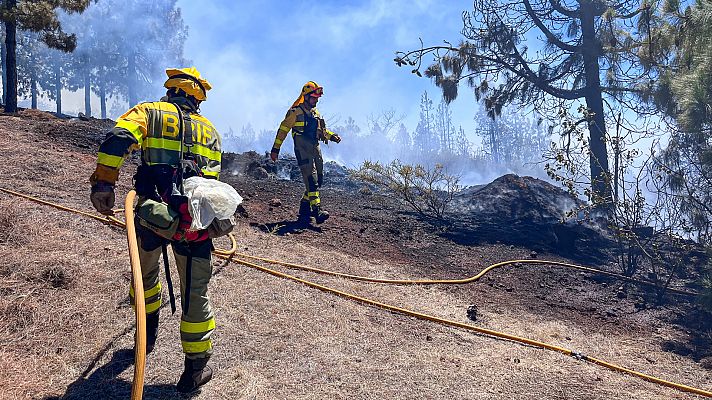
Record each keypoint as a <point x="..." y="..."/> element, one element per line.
<point x="44" y="291"/>
<point x="513" y="217"/>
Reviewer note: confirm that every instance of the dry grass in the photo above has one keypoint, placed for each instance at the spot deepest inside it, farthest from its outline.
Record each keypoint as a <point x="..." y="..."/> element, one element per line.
<point x="66" y="328"/>
<point x="475" y="366"/>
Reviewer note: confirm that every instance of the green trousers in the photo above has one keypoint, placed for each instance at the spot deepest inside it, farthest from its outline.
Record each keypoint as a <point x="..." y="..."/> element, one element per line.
<point x="193" y="261"/>
<point x="311" y="166"/>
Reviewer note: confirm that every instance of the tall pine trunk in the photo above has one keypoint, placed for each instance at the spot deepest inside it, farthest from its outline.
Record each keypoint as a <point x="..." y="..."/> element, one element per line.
<point x="102" y="99"/>
<point x="87" y="93"/>
<point x="33" y="81"/>
<point x="33" y="91"/>
<point x="591" y="51"/>
<point x="3" y="54"/>
<point x="11" y="62"/>
<point x="58" y="87"/>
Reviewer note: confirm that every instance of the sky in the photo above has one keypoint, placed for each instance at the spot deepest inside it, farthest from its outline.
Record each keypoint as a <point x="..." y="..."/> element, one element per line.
<point x="258" y="54"/>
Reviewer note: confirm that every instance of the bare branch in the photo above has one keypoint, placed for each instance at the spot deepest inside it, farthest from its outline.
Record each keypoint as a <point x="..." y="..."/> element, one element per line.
<point x="549" y="35"/>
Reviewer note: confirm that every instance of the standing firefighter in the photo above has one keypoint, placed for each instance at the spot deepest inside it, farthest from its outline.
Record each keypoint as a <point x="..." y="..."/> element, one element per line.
<point x="176" y="143"/>
<point x="308" y="129"/>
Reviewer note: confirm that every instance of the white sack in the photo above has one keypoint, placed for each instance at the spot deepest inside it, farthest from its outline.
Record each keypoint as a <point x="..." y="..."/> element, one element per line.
<point x="209" y="199"/>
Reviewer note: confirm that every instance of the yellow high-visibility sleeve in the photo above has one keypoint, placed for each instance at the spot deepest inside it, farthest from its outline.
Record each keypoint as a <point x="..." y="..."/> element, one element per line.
<point x="127" y="135"/>
<point x="135" y="121"/>
<point x="287" y="124"/>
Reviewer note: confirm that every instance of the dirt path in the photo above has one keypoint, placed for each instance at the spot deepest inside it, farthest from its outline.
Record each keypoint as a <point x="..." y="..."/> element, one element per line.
<point x="66" y="325"/>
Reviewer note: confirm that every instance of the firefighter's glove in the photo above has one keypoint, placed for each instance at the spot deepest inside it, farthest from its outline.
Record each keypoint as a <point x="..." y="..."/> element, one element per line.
<point x="336" y="138"/>
<point x="184" y="231"/>
<point x="102" y="197"/>
<point x="273" y="155"/>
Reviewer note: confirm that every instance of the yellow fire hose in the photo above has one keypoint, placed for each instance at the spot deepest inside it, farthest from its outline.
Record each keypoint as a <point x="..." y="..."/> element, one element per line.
<point x="140" y="305"/>
<point x="485" y="331"/>
<point x="102" y="218"/>
<point x="228" y="255"/>
<point x="454" y="281"/>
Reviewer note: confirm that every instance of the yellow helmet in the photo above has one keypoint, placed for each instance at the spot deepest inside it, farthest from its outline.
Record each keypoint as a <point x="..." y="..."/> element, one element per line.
<point x="310" y="88"/>
<point x="188" y="80"/>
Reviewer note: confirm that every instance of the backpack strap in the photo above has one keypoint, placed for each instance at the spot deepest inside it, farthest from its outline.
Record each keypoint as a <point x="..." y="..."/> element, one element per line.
<point x="186" y="158"/>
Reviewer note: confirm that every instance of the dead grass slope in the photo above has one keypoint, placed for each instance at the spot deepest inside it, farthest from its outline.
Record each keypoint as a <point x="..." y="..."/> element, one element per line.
<point x="65" y="325"/>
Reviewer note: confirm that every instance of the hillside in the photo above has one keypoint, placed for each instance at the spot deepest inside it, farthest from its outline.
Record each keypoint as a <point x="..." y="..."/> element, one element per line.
<point x="66" y="325"/>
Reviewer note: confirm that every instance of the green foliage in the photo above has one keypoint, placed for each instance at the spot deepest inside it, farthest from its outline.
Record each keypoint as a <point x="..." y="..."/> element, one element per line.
<point x="428" y="191"/>
<point x="704" y="297"/>
<point x="685" y="90"/>
<point x="38" y="16"/>
<point x="685" y="94"/>
<point x="686" y="170"/>
<point x="41" y="16"/>
<point x="107" y="58"/>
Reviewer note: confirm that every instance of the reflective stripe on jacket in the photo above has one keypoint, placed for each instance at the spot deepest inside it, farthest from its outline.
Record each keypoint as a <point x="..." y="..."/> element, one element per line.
<point x="153" y="128"/>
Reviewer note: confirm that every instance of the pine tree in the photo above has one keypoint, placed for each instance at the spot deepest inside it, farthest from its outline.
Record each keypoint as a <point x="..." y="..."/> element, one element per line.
<point x="102" y="44"/>
<point x="588" y="53"/>
<point x="350" y="128"/>
<point x="102" y="53"/>
<point x="444" y="127"/>
<point x="145" y="52"/>
<point x="81" y="73"/>
<point x="487" y="129"/>
<point x="685" y="93"/>
<point x="462" y="144"/>
<point x="36" y="16"/>
<point x="57" y="77"/>
<point x="31" y="66"/>
<point x="403" y="142"/>
<point x="685" y="87"/>
<point x="424" y="137"/>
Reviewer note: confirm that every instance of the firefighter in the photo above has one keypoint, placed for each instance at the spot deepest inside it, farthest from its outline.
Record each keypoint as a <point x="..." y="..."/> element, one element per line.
<point x="176" y="142"/>
<point x="308" y="129"/>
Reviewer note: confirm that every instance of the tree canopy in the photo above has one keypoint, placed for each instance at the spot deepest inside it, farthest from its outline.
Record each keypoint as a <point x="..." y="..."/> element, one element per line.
<point x="551" y="55"/>
<point x="106" y="59"/>
<point x="38" y="16"/>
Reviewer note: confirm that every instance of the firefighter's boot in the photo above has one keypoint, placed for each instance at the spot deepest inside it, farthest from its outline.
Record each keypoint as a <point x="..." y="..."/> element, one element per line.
<point x="196" y="374"/>
<point x="319" y="215"/>
<point x="151" y="331"/>
<point x="304" y="216"/>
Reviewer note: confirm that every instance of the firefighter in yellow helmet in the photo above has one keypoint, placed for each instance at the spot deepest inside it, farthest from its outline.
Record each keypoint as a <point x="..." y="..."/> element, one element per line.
<point x="176" y="142"/>
<point x="308" y="129"/>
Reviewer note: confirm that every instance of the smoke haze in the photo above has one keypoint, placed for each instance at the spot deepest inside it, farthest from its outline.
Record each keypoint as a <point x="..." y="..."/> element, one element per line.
<point x="258" y="54"/>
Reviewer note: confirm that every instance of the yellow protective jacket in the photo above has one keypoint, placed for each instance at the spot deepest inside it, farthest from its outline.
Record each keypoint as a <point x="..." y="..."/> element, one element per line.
<point x="298" y="120"/>
<point x="153" y="128"/>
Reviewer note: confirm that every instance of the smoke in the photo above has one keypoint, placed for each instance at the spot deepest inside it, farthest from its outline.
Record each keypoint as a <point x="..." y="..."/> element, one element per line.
<point x="121" y="54"/>
<point x="258" y="65"/>
<point x="258" y="56"/>
<point x="386" y="138"/>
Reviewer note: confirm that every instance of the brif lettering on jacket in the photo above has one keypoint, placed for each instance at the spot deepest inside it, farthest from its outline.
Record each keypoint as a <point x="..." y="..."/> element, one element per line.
<point x="202" y="132"/>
